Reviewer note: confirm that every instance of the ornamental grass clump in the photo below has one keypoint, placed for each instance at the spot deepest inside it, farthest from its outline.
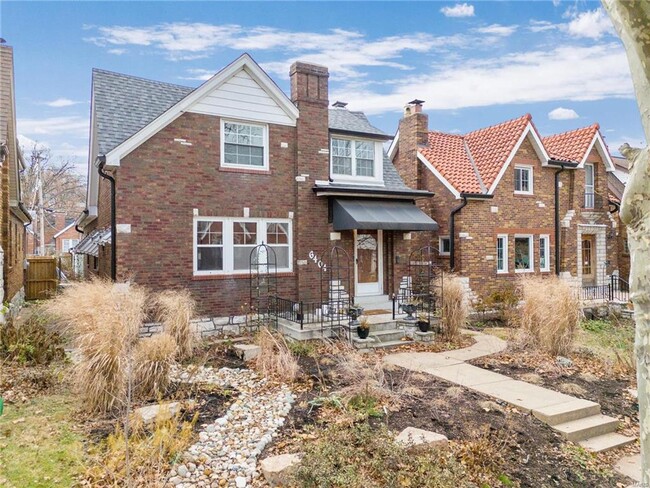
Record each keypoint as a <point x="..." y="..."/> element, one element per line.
<point x="550" y="315"/>
<point x="153" y="359"/>
<point x="175" y="310"/>
<point x="455" y="307"/>
<point x="275" y="358"/>
<point x="104" y="320"/>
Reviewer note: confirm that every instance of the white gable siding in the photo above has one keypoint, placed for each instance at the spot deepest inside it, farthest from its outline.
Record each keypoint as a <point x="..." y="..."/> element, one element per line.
<point x="241" y="97"/>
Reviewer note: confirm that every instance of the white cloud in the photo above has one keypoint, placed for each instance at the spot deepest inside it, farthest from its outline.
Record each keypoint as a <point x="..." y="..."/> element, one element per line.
<point x="71" y="126"/>
<point x="498" y="30"/>
<point x="61" y="102"/>
<point x="117" y="52"/>
<point x="198" y="74"/>
<point x="458" y="10"/>
<point x="562" y="113"/>
<point x="569" y="72"/>
<point x="592" y="24"/>
<point x="542" y="26"/>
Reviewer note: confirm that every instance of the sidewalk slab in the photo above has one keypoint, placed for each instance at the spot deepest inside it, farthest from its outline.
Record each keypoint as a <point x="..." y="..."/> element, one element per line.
<point x="523" y="395"/>
<point x="565" y="412"/>
<point x="420" y="361"/>
<point x="630" y="466"/>
<point x="467" y="375"/>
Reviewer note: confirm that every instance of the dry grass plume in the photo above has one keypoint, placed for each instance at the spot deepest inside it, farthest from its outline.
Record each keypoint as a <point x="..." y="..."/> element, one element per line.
<point x="175" y="310"/>
<point x="275" y="358"/>
<point x="153" y="358"/>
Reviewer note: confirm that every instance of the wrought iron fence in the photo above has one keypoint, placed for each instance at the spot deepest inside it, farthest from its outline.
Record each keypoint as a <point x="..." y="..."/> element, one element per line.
<point x="616" y="290"/>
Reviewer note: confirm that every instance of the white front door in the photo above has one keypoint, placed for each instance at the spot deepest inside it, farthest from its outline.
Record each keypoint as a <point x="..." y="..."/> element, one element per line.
<point x="368" y="258"/>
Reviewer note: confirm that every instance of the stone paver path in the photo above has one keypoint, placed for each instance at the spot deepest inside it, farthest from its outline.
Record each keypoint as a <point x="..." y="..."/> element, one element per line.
<point x="228" y="448"/>
<point x="576" y="419"/>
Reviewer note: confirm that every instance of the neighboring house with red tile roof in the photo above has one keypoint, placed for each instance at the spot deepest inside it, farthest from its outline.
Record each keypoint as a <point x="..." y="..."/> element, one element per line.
<point x="496" y="190"/>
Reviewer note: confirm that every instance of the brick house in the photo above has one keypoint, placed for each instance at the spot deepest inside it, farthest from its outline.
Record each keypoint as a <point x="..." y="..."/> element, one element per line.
<point x="66" y="238"/>
<point x="616" y="181"/>
<point x="13" y="215"/>
<point x="201" y="176"/>
<point x="496" y="191"/>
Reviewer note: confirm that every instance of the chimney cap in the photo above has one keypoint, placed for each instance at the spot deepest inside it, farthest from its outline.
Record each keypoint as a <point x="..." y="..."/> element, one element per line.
<point x="416" y="102"/>
<point x="338" y="104"/>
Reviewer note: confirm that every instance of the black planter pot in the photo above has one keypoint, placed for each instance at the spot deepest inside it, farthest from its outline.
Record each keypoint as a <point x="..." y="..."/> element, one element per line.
<point x="363" y="332"/>
<point x="424" y="326"/>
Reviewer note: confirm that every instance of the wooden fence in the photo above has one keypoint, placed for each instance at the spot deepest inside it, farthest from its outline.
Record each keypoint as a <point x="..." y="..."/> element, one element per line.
<point x="42" y="277"/>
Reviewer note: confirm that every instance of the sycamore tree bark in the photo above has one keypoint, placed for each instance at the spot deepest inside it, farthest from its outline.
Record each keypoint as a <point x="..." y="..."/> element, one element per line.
<point x="631" y="19"/>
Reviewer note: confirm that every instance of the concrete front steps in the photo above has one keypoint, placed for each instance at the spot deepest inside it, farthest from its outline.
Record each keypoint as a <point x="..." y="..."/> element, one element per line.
<point x="384" y="333"/>
<point x="581" y="421"/>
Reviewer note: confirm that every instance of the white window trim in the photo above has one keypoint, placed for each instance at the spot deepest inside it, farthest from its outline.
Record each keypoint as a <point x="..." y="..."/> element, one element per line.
<point x="505" y="253"/>
<point x="531" y="253"/>
<point x="70" y="244"/>
<point x="530" y="179"/>
<point x="378" y="177"/>
<point x="440" y="246"/>
<point x="222" y="138"/>
<point x="228" y="239"/>
<point x="592" y="186"/>
<point x="547" y="251"/>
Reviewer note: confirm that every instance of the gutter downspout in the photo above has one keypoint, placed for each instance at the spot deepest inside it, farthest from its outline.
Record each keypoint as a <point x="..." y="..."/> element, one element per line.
<point x="76" y="226"/>
<point x="557" y="220"/>
<point x="452" y="231"/>
<point x="100" y="169"/>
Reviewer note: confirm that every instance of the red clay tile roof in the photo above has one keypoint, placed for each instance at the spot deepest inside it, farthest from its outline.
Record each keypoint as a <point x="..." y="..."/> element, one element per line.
<point x="491" y="146"/>
<point x="447" y="153"/>
<point x="488" y="147"/>
<point x="571" y="145"/>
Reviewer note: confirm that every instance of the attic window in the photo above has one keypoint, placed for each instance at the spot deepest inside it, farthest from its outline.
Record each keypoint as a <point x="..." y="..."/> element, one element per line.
<point x="244" y="145"/>
<point x="524" y="180"/>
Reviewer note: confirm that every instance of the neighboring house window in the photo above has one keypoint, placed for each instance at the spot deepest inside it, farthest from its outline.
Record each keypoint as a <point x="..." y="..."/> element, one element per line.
<point x="353" y="158"/>
<point x="524" y="180"/>
<point x="224" y="245"/>
<point x="523" y="253"/>
<point x="444" y="245"/>
<point x="68" y="244"/>
<point x="626" y="247"/>
<point x="502" y="253"/>
<point x="244" y="145"/>
<point x="544" y="253"/>
<point x="95" y="263"/>
<point x="589" y="186"/>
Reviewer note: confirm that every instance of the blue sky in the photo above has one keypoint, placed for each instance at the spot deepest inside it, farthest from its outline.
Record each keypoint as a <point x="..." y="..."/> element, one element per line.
<point x="474" y="63"/>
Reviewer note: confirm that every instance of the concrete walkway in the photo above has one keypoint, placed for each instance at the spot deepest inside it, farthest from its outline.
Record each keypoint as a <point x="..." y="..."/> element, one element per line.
<point x="576" y="419"/>
<point x="630" y="466"/>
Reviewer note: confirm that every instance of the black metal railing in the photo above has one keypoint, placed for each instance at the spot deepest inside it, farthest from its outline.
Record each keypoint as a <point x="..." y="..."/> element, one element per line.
<point x="425" y="303"/>
<point x="617" y="289"/>
<point x="300" y="312"/>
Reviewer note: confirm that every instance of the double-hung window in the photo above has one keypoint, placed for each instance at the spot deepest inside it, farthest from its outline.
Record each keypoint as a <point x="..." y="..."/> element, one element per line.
<point x="502" y="253"/>
<point x="523" y="253"/>
<point x="223" y="245"/>
<point x="244" y="145"/>
<point x="68" y="244"/>
<point x="353" y="158"/>
<point x="544" y="253"/>
<point x="524" y="180"/>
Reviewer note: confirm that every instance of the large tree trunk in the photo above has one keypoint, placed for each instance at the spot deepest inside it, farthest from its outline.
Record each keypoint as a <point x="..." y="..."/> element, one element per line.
<point x="632" y="22"/>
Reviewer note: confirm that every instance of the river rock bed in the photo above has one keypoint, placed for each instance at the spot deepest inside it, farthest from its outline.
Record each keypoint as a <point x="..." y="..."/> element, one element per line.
<point x="228" y="448"/>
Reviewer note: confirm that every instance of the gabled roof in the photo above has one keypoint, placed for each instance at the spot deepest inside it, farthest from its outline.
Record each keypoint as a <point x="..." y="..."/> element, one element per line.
<point x="572" y="145"/>
<point x="576" y="145"/>
<point x="475" y="162"/>
<point x="64" y="229"/>
<point x="343" y="120"/>
<point x="125" y="104"/>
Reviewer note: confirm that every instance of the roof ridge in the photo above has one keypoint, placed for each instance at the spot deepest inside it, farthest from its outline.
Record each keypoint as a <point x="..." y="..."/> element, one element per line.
<point x="594" y="126"/>
<point x="474" y="167"/>
<point x="100" y="70"/>
<point x="526" y="116"/>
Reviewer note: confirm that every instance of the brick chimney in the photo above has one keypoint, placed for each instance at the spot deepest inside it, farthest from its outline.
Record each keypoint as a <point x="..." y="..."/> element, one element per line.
<point x="413" y="130"/>
<point x="309" y="92"/>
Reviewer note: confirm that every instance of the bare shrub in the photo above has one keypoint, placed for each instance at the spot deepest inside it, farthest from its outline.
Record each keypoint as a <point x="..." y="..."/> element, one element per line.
<point x="175" y="310"/>
<point x="550" y="314"/>
<point x="149" y="453"/>
<point x="275" y="358"/>
<point x="104" y="320"/>
<point x="455" y="307"/>
<point x="625" y="363"/>
<point x="153" y="358"/>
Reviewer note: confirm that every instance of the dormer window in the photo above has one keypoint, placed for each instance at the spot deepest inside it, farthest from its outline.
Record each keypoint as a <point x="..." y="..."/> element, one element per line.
<point x="354" y="159"/>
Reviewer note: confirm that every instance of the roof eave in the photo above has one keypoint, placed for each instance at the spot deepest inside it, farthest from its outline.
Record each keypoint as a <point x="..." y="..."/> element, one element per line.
<point x="371" y="192"/>
<point x="365" y="135"/>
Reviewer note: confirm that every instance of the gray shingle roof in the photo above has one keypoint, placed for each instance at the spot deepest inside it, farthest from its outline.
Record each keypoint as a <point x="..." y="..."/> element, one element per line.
<point x="125" y="104"/>
<point x="343" y="120"/>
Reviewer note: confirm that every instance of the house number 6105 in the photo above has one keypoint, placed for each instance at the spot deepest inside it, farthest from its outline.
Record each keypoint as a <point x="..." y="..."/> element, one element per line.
<point x="319" y="262"/>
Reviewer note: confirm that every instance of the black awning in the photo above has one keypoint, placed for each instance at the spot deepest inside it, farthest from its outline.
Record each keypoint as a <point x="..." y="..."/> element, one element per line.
<point x="380" y="214"/>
